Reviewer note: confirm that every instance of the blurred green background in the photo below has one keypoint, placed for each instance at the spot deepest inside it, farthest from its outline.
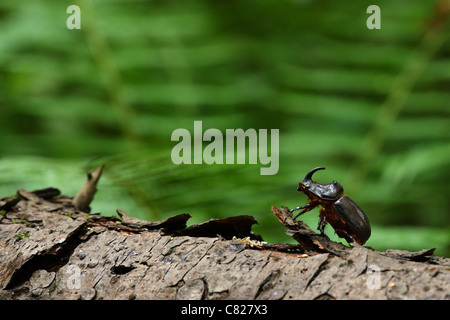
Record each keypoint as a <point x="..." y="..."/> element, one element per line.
<point x="372" y="106"/>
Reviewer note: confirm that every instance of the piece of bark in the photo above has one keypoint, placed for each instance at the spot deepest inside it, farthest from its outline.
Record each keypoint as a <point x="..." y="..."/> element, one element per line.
<point x="310" y="240"/>
<point x="410" y="255"/>
<point x="238" y="226"/>
<point x="44" y="204"/>
<point x="86" y="194"/>
<point x="170" y="225"/>
<point x="47" y="193"/>
<point x="10" y="202"/>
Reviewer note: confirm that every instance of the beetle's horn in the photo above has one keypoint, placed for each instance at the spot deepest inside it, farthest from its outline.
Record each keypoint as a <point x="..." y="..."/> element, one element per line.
<point x="308" y="176"/>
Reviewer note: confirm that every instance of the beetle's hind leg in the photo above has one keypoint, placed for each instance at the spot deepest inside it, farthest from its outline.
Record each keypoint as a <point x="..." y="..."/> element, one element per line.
<point x="344" y="234"/>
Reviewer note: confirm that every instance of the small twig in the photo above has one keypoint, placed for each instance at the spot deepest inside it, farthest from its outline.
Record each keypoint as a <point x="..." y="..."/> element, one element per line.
<point x="84" y="197"/>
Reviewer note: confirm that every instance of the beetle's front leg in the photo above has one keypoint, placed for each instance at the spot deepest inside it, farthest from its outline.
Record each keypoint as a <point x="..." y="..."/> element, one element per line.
<point x="300" y="207"/>
<point x="307" y="207"/>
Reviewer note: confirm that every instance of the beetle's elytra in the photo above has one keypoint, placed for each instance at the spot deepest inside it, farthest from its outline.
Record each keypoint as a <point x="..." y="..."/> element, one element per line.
<point x="342" y="213"/>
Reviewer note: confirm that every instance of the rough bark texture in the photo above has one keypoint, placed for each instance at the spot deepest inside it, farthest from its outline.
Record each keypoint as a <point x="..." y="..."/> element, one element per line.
<point x="50" y="250"/>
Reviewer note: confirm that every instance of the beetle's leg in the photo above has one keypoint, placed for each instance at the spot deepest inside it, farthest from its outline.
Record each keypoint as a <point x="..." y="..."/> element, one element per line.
<point x="300" y="207"/>
<point x="351" y="238"/>
<point x="302" y="212"/>
<point x="344" y="234"/>
<point x="307" y="207"/>
<point x="322" y="224"/>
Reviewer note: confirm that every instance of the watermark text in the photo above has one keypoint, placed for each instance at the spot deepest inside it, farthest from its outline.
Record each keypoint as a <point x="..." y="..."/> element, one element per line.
<point x="235" y="147"/>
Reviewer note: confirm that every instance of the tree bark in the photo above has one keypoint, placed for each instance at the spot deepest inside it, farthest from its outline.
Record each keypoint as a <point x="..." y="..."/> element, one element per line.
<point x="51" y="250"/>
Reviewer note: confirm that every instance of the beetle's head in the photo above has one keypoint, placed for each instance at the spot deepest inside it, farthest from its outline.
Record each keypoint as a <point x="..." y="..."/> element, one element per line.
<point x="312" y="189"/>
<point x="307" y="181"/>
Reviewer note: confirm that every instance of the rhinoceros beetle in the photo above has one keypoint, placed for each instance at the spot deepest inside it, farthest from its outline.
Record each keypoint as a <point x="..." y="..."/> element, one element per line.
<point x="341" y="212"/>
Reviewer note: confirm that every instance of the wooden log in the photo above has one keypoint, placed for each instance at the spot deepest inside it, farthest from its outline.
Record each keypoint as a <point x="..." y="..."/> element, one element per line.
<point x="51" y="250"/>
